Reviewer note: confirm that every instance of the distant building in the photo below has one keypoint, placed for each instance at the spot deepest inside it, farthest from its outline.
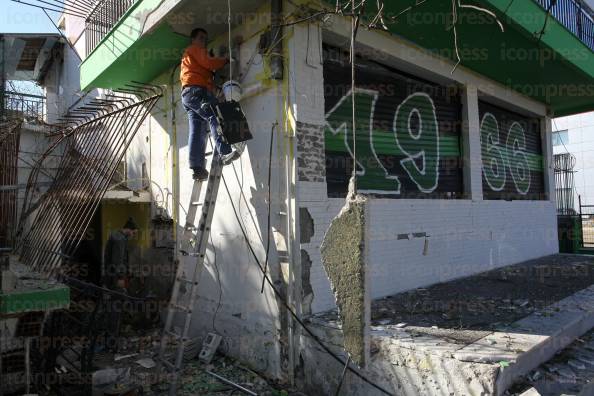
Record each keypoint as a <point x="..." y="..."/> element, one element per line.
<point x="575" y="134"/>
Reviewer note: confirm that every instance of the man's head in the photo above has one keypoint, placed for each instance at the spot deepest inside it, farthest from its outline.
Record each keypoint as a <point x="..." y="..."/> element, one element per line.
<point x="199" y="37"/>
<point x="130" y="229"/>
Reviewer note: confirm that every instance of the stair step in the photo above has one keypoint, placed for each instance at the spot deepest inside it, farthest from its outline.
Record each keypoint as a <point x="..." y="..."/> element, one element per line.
<point x="184" y="253"/>
<point x="186" y="280"/>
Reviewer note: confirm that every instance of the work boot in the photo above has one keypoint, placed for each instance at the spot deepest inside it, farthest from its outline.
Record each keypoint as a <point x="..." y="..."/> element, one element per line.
<point x="232" y="156"/>
<point x="200" y="174"/>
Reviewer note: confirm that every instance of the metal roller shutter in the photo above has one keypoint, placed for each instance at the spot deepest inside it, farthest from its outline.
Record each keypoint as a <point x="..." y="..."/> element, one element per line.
<point x="511" y="144"/>
<point x="408" y="132"/>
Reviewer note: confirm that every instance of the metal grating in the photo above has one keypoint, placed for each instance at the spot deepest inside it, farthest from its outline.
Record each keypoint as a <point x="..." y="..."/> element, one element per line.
<point x="512" y="155"/>
<point x="564" y="183"/>
<point x="51" y="228"/>
<point x="102" y="19"/>
<point x="22" y="105"/>
<point x="9" y="146"/>
<point x="418" y="159"/>
<point x="587" y="217"/>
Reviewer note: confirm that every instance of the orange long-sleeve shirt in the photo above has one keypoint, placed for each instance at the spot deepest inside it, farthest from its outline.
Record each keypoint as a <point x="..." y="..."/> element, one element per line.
<point x="197" y="67"/>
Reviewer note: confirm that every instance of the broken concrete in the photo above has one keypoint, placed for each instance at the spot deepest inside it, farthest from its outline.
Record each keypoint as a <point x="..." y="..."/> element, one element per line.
<point x="343" y="256"/>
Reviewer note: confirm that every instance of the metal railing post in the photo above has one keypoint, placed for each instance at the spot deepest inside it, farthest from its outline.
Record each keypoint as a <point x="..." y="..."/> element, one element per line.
<point x="102" y="19"/>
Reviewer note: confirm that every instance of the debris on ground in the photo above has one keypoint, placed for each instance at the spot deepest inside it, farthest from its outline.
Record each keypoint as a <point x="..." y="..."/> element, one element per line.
<point x="570" y="372"/>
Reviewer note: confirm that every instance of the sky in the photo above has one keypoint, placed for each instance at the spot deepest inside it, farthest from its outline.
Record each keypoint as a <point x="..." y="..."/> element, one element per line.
<point x="20" y="18"/>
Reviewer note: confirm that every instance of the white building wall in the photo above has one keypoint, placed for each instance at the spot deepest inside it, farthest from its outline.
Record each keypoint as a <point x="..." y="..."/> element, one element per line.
<point x="230" y="302"/>
<point x="580" y="143"/>
<point x="464" y="237"/>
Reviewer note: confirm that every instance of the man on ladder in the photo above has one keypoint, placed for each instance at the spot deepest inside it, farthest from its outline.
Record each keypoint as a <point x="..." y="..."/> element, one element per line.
<point x="197" y="68"/>
<point x="204" y="111"/>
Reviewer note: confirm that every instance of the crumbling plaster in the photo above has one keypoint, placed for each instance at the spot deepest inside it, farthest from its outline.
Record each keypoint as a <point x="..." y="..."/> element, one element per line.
<point x="345" y="262"/>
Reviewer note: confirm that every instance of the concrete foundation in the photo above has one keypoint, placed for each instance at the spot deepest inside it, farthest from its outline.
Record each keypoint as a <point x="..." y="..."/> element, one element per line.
<point x="430" y="360"/>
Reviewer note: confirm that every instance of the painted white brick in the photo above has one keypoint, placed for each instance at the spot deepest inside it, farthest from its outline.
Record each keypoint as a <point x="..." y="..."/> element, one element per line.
<point x="465" y="237"/>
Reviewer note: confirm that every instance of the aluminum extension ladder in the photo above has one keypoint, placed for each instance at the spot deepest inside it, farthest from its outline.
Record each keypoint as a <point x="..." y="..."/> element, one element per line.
<point x="193" y="250"/>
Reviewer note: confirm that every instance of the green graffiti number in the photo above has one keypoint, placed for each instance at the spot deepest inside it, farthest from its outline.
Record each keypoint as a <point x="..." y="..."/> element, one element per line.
<point x="417" y="136"/>
<point x="371" y="174"/>
<point x="494" y="164"/>
<point x="518" y="161"/>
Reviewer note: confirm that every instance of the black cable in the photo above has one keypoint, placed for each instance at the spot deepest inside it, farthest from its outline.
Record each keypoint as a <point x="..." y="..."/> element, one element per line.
<point x="64" y="37"/>
<point x="342" y="377"/>
<point x="49" y="9"/>
<point x="290" y="310"/>
<point x="269" y="204"/>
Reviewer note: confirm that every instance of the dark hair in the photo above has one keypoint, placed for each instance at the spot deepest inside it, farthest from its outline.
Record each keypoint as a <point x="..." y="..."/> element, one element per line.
<point x="196" y="31"/>
<point x="130" y="224"/>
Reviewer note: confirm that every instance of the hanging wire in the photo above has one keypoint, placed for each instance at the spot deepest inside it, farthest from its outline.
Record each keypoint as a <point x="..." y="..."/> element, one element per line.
<point x="230" y="50"/>
<point x="354" y="24"/>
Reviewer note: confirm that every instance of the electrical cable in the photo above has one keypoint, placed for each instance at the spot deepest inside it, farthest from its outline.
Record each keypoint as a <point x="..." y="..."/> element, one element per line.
<point x="354" y="26"/>
<point x="64" y="37"/>
<point x="230" y="51"/>
<point x="269" y="204"/>
<point x="50" y="9"/>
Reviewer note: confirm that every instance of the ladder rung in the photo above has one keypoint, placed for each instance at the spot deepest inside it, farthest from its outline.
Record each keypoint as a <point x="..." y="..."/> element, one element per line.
<point x="169" y="365"/>
<point x="174" y="335"/>
<point x="184" y="253"/>
<point x="196" y="204"/>
<point x="182" y="279"/>
<point x="208" y="153"/>
<point x="181" y="308"/>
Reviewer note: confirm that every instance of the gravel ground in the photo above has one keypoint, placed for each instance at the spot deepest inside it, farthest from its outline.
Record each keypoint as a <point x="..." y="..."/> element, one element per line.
<point x="490" y="300"/>
<point x="467" y="309"/>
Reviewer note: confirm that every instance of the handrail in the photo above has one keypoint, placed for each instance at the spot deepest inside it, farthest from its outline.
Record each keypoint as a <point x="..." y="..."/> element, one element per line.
<point x="575" y="15"/>
<point x="24" y="104"/>
<point x="102" y="19"/>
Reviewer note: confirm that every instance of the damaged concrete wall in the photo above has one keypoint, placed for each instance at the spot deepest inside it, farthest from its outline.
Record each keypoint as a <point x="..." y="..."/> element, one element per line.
<point x="404" y="371"/>
<point x="344" y="256"/>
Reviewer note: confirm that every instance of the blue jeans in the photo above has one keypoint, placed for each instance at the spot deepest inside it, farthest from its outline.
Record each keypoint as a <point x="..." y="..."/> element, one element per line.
<point x="199" y="104"/>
